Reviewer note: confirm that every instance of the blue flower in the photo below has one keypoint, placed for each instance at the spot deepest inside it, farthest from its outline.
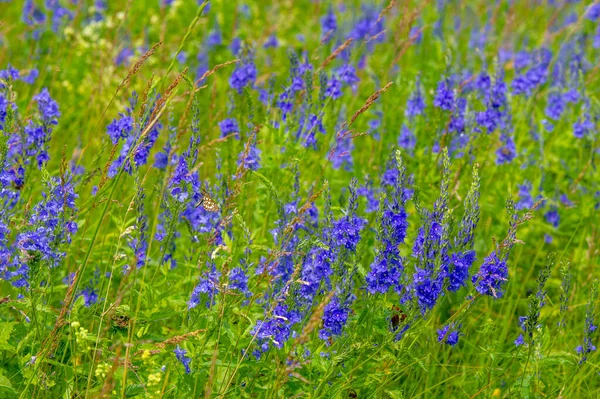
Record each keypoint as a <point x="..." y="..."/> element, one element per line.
<point x="553" y="217"/>
<point x="243" y="75"/>
<point x="583" y="127"/>
<point x="207" y="287"/>
<point x="491" y="276"/>
<point x="556" y="106"/>
<point x="449" y="334"/>
<point x="593" y="12"/>
<point x="239" y="281"/>
<point x="47" y="107"/>
<point x="346" y="231"/>
<point x="461" y="262"/>
<point x="407" y="139"/>
<point x="444" y="96"/>
<point x="335" y="317"/>
<point x="525" y="198"/>
<point x="520" y="340"/>
<point x="276" y="329"/>
<point x="120" y="128"/>
<point x="250" y="158"/>
<point x="507" y="152"/>
<point x="334" y="88"/>
<point x="180" y="354"/>
<point x="415" y="104"/>
<point x="329" y="22"/>
<point x="271" y="42"/>
<point x="385" y="273"/>
<point x="341" y="155"/>
<point x="229" y="125"/>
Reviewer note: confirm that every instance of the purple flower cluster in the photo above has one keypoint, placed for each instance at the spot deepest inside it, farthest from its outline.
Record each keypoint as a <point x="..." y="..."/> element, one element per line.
<point x="346" y="230"/>
<point x="180" y="354"/>
<point x="449" y="334"/>
<point x="207" y="288"/>
<point x="335" y="317"/>
<point x="49" y="228"/>
<point x="275" y="330"/>
<point x="243" y="75"/>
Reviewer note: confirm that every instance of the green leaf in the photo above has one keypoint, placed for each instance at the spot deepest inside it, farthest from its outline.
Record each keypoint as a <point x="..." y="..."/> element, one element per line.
<point x="6" y="389"/>
<point x="5" y="330"/>
<point x="134" y="390"/>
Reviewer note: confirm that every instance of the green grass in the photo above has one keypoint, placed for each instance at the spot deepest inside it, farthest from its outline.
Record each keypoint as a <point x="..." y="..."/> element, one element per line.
<point x="122" y="346"/>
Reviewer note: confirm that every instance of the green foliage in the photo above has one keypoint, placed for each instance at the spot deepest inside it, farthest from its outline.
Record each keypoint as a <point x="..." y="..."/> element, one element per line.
<point x="57" y="343"/>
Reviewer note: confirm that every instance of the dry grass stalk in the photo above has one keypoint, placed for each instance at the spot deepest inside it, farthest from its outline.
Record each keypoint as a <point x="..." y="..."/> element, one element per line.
<point x="385" y="11"/>
<point x="104" y="177"/>
<point x="370" y="39"/>
<point x="145" y="97"/>
<point x="336" y="52"/>
<point x="180" y="338"/>
<point x="314" y="321"/>
<point x="215" y="69"/>
<point x="161" y="101"/>
<point x="138" y="65"/>
<point x="372" y="98"/>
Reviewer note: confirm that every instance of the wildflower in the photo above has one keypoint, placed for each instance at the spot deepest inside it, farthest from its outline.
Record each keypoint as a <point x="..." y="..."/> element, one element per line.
<point x="180" y="354"/>
<point x="370" y="24"/>
<point x="239" y="281"/>
<point x="32" y="15"/>
<point x="315" y="123"/>
<point x="271" y="42"/>
<point x="329" y="22"/>
<point x="335" y="317"/>
<point x="207" y="287"/>
<point x="525" y="198"/>
<point x="50" y="230"/>
<point x="334" y="88"/>
<point x="387" y="267"/>
<point x="444" y="96"/>
<point x="124" y="56"/>
<point x="346" y="230"/>
<point x="593" y="12"/>
<point x="250" y="158"/>
<point x="507" y="152"/>
<point x="276" y="329"/>
<point x="214" y="38"/>
<point x="520" y="340"/>
<point x="526" y="82"/>
<point x="367" y="192"/>
<point x="407" y="139"/>
<point x="553" y="217"/>
<point x="457" y="122"/>
<point x="235" y="46"/>
<point x="243" y="75"/>
<point x="347" y="75"/>
<point x="316" y="270"/>
<point x="491" y="276"/>
<point x="385" y="272"/>
<point x="556" y="106"/>
<point x="583" y="127"/>
<point x="10" y="73"/>
<point x="341" y="155"/>
<point x="31" y="76"/>
<point x="415" y="104"/>
<point x="449" y="334"/>
<point x="228" y="126"/>
<point x="590" y="327"/>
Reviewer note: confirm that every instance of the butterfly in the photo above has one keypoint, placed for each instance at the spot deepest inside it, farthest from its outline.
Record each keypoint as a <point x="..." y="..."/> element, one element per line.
<point x="208" y="203"/>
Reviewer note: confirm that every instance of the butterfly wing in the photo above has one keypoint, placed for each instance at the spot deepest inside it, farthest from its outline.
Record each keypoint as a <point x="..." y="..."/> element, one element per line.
<point x="208" y="203"/>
